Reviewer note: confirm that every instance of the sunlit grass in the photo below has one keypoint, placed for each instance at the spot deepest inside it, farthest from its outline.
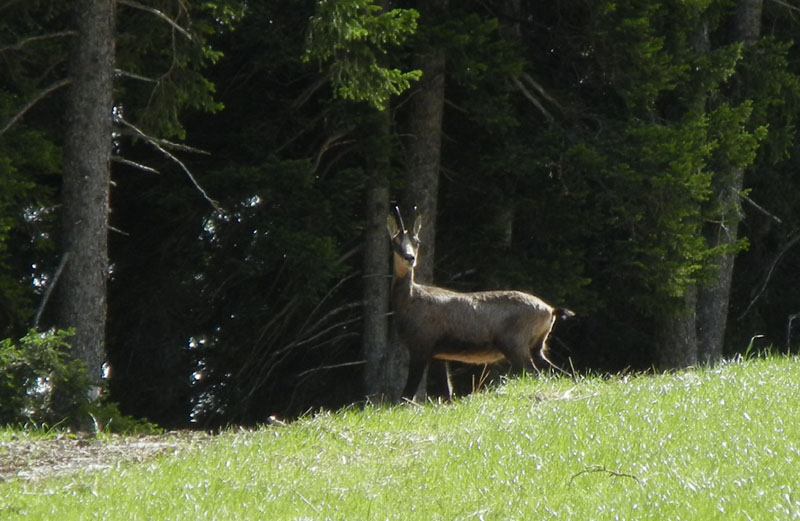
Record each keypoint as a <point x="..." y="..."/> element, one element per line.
<point x="27" y="432"/>
<point x="720" y="443"/>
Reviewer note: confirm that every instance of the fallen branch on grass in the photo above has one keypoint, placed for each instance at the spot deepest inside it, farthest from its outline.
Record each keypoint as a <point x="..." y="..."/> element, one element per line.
<point x="602" y="468"/>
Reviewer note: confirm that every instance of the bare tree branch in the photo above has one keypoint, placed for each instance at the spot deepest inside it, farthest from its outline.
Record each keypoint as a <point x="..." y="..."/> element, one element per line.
<point x="330" y="142"/>
<point x="132" y="75"/>
<point x="332" y="327"/>
<point x="166" y="143"/>
<point x="155" y="143"/>
<point x="533" y="83"/>
<point x="334" y="160"/>
<point x="758" y="207"/>
<point x="39" y="97"/>
<point x="313" y="333"/>
<point x="9" y="4"/>
<point x="160" y="14"/>
<point x="326" y="367"/>
<point x="310" y="90"/>
<point x="533" y="99"/>
<point x="791" y="242"/>
<point x="134" y="164"/>
<point x="25" y="41"/>
<point x="117" y="230"/>
<point x="311" y="124"/>
<point x="328" y="295"/>
<point x="180" y="146"/>
<point x="787" y="5"/>
<point x="602" y="468"/>
<point x="50" y="286"/>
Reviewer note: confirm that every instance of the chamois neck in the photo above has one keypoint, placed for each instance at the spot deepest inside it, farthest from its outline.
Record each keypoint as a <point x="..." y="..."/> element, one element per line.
<point x="402" y="269"/>
<point x="403" y="274"/>
<point x="402" y="292"/>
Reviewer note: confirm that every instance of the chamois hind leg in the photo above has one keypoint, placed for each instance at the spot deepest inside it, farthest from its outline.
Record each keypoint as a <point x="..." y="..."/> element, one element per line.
<point x="518" y="354"/>
<point x="542" y="354"/>
<point x="416" y="369"/>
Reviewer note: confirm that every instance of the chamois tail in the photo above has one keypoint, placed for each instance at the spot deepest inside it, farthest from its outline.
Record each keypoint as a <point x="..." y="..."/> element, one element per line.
<point x="563" y="313"/>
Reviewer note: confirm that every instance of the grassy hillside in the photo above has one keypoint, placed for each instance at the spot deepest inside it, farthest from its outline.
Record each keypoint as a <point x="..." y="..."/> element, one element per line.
<point x="704" y="444"/>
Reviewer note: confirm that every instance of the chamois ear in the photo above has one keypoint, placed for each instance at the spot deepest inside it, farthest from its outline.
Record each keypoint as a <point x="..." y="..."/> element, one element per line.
<point x="417" y="226"/>
<point x="391" y="225"/>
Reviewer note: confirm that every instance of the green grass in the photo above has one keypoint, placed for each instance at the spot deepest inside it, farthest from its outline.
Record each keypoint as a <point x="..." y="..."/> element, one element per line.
<point x="8" y="433"/>
<point x="720" y="443"/>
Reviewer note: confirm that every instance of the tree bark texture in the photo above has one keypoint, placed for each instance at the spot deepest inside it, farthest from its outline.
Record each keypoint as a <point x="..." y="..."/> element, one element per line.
<point x="386" y="363"/>
<point x="424" y="149"/>
<point x="85" y="188"/>
<point x="747" y="24"/>
<point x="383" y="373"/>
<point x="676" y="337"/>
<point x="713" y="300"/>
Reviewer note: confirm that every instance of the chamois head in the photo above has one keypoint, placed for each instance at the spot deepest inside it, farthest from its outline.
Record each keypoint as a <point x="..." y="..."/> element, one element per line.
<point x="405" y="244"/>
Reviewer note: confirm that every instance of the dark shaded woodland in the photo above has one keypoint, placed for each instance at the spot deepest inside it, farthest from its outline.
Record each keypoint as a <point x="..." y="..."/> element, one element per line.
<point x="633" y="161"/>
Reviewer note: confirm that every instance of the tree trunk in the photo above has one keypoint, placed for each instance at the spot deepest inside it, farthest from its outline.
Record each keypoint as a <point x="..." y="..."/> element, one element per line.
<point x="710" y="311"/>
<point x="676" y="336"/>
<point x="382" y="377"/>
<point x="426" y="108"/>
<point x="713" y="300"/>
<point x="85" y="189"/>
<point x="747" y="23"/>
<point x="386" y="363"/>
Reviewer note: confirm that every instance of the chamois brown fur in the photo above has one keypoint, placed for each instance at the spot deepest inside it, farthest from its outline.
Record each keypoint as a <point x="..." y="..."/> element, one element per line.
<point x="477" y="328"/>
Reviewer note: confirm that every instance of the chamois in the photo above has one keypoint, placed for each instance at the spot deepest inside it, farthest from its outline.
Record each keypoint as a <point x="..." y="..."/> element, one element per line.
<point x="476" y="328"/>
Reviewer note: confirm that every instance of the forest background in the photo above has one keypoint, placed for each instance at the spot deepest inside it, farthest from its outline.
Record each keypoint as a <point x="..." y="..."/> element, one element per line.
<point x="200" y="188"/>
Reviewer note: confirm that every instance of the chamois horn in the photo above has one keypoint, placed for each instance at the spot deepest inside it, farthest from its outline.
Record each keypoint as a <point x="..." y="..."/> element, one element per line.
<point x="398" y="217"/>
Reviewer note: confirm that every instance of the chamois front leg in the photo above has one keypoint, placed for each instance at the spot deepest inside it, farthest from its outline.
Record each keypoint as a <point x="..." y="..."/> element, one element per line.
<point x="439" y="371"/>
<point x="416" y="369"/>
